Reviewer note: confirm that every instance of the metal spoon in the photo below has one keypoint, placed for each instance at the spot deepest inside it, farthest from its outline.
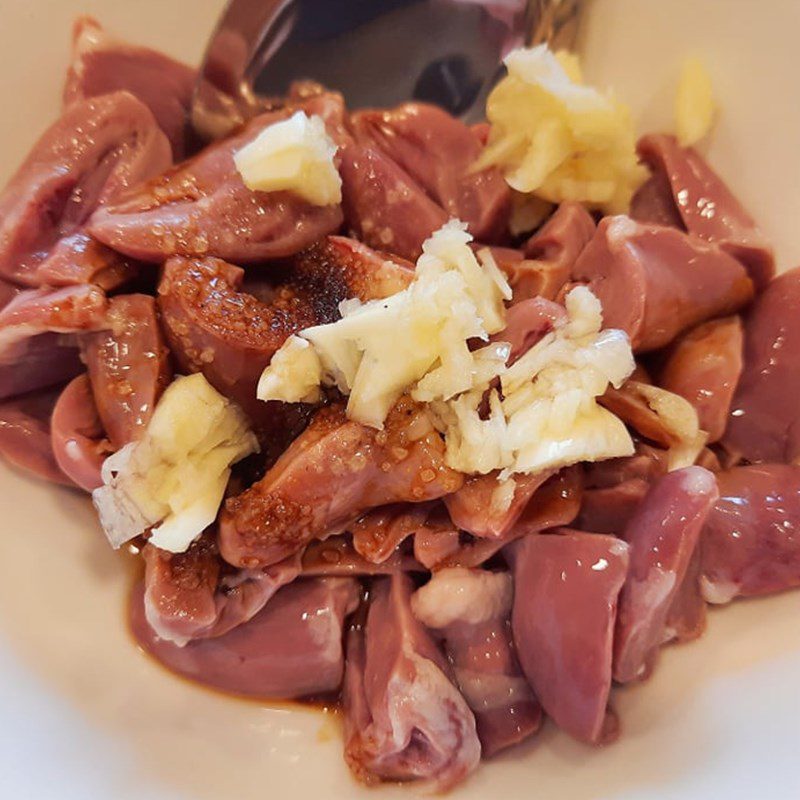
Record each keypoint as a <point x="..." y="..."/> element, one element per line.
<point x="376" y="52"/>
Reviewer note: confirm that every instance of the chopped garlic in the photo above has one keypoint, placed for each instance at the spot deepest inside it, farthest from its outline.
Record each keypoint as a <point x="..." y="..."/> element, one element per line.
<point x="679" y="418"/>
<point x="474" y="444"/>
<point x="549" y="416"/>
<point x="694" y="103"/>
<point x="480" y="366"/>
<point x="447" y="250"/>
<point x="558" y="139"/>
<point x="173" y="479"/>
<point x="564" y="429"/>
<point x="571" y="64"/>
<point x="528" y="212"/>
<point x="415" y="340"/>
<point x="294" y="376"/>
<point x="503" y="496"/>
<point x="294" y="155"/>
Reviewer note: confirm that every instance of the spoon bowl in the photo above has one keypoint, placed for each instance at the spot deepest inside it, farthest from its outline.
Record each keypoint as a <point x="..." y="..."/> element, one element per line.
<point x="376" y="52"/>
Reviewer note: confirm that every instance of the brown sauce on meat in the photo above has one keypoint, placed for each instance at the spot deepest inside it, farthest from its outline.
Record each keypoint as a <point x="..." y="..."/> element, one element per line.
<point x="329" y="704"/>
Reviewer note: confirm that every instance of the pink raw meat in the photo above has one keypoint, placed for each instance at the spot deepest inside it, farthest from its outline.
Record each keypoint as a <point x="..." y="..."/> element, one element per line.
<point x="565" y="608"/>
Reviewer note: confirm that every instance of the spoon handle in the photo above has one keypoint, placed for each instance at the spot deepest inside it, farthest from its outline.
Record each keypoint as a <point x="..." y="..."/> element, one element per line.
<point x="554" y="22"/>
<point x="223" y="95"/>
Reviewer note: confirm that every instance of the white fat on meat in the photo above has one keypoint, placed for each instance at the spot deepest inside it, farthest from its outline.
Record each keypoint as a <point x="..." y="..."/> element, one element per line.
<point x="463" y="595"/>
<point x="698" y="481"/>
<point x="487" y="691"/>
<point x="718" y="593"/>
<point x="324" y="628"/>
<point x="155" y="620"/>
<point x="431" y="704"/>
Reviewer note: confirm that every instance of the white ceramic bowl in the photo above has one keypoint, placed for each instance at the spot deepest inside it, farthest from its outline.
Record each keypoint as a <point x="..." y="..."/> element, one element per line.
<point x="84" y="715"/>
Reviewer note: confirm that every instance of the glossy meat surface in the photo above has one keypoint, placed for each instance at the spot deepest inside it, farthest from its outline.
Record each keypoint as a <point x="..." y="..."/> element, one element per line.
<point x="77" y="437"/>
<point x="489" y="509"/>
<point x="214" y="325"/>
<point x="471" y="611"/>
<point x="102" y="64"/>
<point x="25" y="436"/>
<point x="448" y="612"/>
<point x="550" y="253"/>
<point x="331" y="474"/>
<point x="764" y="423"/>
<point x="403" y="717"/>
<point x="38" y="347"/>
<point x="191" y="595"/>
<point x="662" y="536"/>
<point x="556" y="502"/>
<point x="128" y="367"/>
<point x="384" y="206"/>
<point x="202" y="208"/>
<point x="565" y="608"/>
<point x="751" y="542"/>
<point x="705" y="205"/>
<point x="378" y="534"/>
<point x="527" y="321"/>
<point x="338" y="557"/>
<point x="655" y="282"/>
<point x="686" y="619"/>
<point x="94" y="152"/>
<point x="614" y="489"/>
<point x="437" y="151"/>
<point x="291" y="649"/>
<point x="704" y="368"/>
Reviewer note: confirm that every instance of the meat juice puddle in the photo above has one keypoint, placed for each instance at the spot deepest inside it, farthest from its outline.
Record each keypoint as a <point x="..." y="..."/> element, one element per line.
<point x="328" y="707"/>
